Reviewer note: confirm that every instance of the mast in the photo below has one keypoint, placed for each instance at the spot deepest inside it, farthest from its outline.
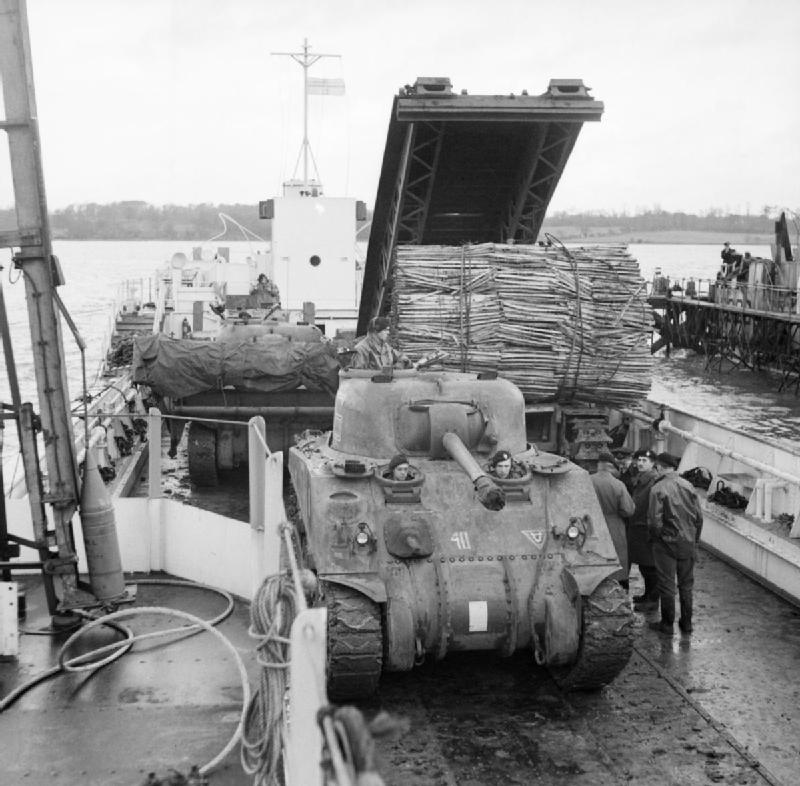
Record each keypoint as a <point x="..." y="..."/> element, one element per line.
<point x="306" y="60"/>
<point x="42" y="276"/>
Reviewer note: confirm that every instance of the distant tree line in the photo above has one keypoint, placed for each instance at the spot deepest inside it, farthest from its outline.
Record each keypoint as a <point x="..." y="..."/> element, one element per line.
<point x="662" y="220"/>
<point x="137" y="220"/>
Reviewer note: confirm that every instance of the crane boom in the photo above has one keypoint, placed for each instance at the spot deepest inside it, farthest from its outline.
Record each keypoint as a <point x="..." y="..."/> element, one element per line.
<point x="42" y="275"/>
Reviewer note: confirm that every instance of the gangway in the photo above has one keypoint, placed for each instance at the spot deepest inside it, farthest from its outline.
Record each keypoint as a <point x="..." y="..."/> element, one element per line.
<point x="468" y="169"/>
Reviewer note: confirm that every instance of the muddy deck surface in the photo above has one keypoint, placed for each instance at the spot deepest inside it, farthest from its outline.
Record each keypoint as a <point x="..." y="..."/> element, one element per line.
<point x="721" y="706"/>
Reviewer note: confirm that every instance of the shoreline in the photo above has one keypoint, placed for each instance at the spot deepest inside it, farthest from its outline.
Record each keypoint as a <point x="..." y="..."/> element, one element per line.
<point x="566" y="234"/>
<point x="670" y="237"/>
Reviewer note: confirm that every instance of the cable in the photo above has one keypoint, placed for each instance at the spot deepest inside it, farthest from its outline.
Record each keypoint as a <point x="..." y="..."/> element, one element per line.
<point x="119" y="648"/>
<point x="197" y="622"/>
<point x="577" y="330"/>
<point x="14" y="474"/>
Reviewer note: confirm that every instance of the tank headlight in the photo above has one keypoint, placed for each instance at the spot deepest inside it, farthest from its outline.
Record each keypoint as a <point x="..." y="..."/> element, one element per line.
<point x="573" y="532"/>
<point x="363" y="539"/>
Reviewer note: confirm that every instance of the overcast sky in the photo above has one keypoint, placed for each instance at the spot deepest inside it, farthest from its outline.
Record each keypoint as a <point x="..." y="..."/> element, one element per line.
<point x="181" y="101"/>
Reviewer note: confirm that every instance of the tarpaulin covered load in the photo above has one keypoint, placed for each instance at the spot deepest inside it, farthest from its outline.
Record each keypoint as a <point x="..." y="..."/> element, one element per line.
<point x="181" y="367"/>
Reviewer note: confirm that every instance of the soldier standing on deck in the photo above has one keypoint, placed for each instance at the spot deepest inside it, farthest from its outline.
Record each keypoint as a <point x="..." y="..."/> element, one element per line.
<point x="616" y="505"/>
<point x="675" y="520"/>
<point x="640" y="551"/>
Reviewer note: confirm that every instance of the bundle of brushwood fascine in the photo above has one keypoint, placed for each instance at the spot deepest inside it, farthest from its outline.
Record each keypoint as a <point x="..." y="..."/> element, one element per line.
<point x="562" y="324"/>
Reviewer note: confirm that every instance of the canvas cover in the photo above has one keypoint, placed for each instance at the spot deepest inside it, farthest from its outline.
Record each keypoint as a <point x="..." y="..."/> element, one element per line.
<point x="177" y="368"/>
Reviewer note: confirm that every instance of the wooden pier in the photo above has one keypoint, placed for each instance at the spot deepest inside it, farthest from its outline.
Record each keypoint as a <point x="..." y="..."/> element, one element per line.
<point x="755" y="327"/>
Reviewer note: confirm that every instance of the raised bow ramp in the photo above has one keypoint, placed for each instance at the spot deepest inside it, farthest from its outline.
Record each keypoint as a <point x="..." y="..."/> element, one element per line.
<point x="468" y="169"/>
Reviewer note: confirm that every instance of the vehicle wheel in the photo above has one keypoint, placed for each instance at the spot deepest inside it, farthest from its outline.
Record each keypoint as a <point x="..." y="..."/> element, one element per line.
<point x="355" y="643"/>
<point x="606" y="640"/>
<point x="202" y="450"/>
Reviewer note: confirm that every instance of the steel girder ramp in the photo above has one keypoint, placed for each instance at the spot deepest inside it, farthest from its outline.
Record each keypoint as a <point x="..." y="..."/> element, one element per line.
<point x="468" y="169"/>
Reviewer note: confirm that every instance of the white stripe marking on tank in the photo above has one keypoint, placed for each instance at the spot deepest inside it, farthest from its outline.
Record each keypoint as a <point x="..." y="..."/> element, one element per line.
<point x="478" y="616"/>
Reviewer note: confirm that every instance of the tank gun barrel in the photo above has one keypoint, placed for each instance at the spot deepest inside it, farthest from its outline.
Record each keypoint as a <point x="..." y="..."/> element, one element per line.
<point x="490" y="494"/>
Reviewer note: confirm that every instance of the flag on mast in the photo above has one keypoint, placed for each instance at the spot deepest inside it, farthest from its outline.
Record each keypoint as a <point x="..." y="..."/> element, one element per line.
<point x="318" y="86"/>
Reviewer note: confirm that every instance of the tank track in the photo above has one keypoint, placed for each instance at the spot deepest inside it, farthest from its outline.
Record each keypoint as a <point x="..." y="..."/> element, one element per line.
<point x="355" y="643"/>
<point x="202" y="455"/>
<point x="606" y="640"/>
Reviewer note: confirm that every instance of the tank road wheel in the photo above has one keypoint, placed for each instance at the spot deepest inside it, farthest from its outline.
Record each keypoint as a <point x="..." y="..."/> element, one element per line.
<point x="202" y="450"/>
<point x="606" y="640"/>
<point x="355" y="643"/>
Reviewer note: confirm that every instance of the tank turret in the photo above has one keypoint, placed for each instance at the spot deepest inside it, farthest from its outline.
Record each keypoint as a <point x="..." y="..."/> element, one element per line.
<point x="450" y="557"/>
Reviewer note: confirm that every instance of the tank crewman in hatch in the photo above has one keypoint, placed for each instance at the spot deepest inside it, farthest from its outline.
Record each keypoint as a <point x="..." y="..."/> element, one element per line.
<point x="399" y="469"/>
<point x="640" y="550"/>
<point x="616" y="505"/>
<point x="503" y="466"/>
<point x="675" y="520"/>
<point x="375" y="351"/>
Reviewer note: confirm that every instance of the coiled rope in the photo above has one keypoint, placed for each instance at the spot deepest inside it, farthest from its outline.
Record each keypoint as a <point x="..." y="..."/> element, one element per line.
<point x="272" y="612"/>
<point x="348" y="756"/>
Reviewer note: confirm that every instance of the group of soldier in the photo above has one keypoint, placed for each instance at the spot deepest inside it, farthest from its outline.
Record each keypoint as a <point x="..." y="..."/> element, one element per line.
<point x="655" y="521"/>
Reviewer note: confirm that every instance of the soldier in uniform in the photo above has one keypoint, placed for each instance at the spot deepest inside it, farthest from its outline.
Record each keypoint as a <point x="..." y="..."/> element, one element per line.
<point x="503" y="466"/>
<point x="399" y="468"/>
<point x="640" y="552"/>
<point x="616" y="505"/>
<point x="675" y="520"/>
<point x="375" y="351"/>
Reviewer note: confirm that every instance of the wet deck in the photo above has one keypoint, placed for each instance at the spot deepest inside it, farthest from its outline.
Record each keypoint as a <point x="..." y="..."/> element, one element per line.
<point x="721" y="706"/>
<point x="160" y="706"/>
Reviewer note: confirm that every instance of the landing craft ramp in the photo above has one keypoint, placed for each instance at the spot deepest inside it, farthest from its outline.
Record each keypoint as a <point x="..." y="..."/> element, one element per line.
<point x="468" y="169"/>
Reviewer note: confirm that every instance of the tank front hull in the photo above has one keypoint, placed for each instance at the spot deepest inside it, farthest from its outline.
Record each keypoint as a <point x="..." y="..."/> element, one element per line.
<point x="474" y="579"/>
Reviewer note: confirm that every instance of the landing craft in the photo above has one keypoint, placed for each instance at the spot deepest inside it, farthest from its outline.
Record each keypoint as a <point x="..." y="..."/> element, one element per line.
<point x="194" y="543"/>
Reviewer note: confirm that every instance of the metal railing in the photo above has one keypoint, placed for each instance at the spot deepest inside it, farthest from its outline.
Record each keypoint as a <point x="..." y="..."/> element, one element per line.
<point x="131" y="295"/>
<point x="738" y="294"/>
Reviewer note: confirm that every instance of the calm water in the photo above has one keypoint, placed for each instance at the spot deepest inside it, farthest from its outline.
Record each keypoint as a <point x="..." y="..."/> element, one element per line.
<point x="94" y="271"/>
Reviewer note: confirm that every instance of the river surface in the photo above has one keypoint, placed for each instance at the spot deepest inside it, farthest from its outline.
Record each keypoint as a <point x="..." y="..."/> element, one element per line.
<point x="95" y="270"/>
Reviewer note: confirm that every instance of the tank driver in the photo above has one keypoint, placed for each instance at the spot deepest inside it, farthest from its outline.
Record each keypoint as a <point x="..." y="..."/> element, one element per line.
<point x="399" y="469"/>
<point x="375" y="351"/>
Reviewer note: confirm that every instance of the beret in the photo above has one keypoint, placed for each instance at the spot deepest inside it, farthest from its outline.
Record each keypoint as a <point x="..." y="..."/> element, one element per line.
<point x="397" y="461"/>
<point x="668" y="460"/>
<point x="501" y="455"/>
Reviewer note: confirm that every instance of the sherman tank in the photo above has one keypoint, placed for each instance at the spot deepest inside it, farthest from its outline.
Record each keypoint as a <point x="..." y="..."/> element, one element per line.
<point x="452" y="558"/>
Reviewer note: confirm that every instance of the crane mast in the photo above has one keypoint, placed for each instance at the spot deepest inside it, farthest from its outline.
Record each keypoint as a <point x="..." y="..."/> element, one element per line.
<point x="42" y="275"/>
